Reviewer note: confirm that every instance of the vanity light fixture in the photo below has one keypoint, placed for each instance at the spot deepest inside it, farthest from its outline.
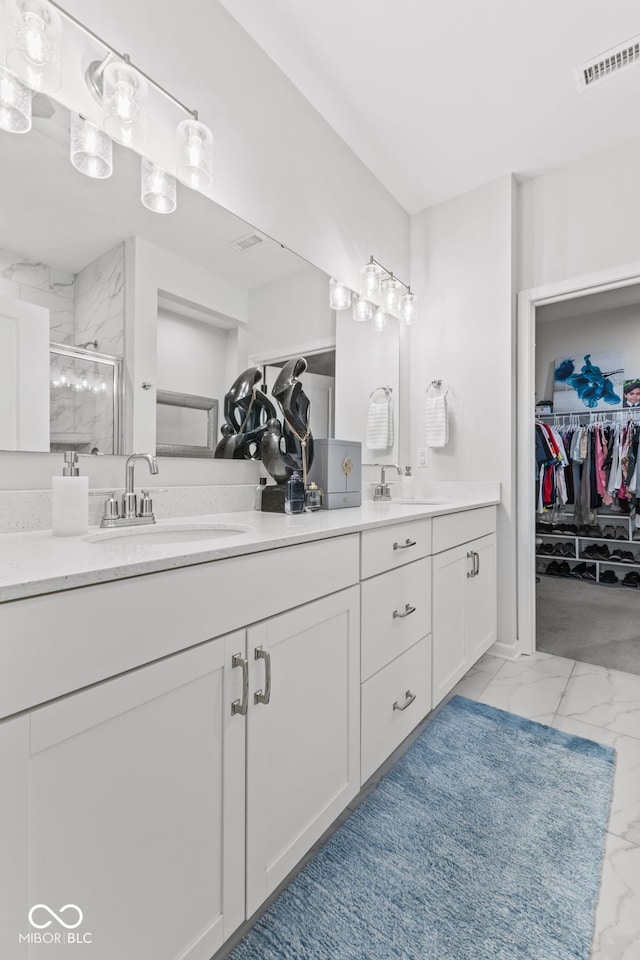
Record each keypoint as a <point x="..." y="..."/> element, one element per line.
<point x="391" y="294"/>
<point x="91" y="149"/>
<point x="408" y="308"/>
<point x="34" y="43"/>
<point x="158" y="188"/>
<point x="394" y="296"/>
<point x="370" y="280"/>
<point x="339" y="295"/>
<point x="380" y="320"/>
<point x="124" y="99"/>
<point x="15" y="103"/>
<point x="363" y="310"/>
<point x="195" y="146"/>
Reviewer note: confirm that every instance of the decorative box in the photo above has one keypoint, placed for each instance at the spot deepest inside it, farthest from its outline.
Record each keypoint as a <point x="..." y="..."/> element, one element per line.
<point x="337" y="470"/>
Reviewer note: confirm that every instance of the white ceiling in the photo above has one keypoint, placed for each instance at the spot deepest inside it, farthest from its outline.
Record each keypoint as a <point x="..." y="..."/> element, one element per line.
<point x="439" y="96"/>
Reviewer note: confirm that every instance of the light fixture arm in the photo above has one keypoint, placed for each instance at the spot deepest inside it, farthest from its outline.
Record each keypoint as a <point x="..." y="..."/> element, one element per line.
<point x="390" y="273"/>
<point x="95" y="69"/>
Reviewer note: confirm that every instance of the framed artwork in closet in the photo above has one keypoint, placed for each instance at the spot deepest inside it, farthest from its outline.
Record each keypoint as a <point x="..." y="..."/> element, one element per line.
<point x="631" y="393"/>
<point x="588" y="382"/>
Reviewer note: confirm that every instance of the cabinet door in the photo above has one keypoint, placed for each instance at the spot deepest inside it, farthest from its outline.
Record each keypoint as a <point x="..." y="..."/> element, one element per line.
<point x="303" y="753"/>
<point x="450" y="577"/>
<point x="481" y="600"/>
<point x="136" y="812"/>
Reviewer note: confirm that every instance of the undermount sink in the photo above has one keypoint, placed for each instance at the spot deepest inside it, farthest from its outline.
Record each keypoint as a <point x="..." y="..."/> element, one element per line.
<point x="168" y="533"/>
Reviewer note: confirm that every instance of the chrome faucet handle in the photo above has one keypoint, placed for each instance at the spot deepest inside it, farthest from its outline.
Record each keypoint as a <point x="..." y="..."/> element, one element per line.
<point x="111" y="507"/>
<point x="146" y="505"/>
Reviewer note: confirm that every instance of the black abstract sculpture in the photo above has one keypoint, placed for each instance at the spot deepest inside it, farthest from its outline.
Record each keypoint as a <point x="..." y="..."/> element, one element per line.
<point x="246" y="411"/>
<point x="294" y="432"/>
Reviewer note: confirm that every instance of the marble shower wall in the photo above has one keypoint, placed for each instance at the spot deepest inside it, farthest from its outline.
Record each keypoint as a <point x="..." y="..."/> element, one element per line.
<point x="42" y="285"/>
<point x="99" y="302"/>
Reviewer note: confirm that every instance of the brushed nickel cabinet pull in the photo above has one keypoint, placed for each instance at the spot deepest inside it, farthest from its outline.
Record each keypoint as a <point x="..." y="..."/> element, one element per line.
<point x="472" y="572"/>
<point x="408" y="609"/>
<point x="405" y="545"/>
<point x="410" y="698"/>
<point x="259" y="696"/>
<point x="240" y="706"/>
<point x="476" y="563"/>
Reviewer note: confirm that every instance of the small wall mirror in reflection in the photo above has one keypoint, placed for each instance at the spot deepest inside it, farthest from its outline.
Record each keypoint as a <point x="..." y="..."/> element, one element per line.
<point x="186" y="425"/>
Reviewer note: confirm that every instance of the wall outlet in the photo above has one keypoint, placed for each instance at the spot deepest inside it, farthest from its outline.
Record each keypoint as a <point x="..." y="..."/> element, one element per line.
<point x="423" y="456"/>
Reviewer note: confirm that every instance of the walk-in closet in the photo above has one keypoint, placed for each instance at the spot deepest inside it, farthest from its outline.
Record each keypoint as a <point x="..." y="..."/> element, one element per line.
<point x="587" y="427"/>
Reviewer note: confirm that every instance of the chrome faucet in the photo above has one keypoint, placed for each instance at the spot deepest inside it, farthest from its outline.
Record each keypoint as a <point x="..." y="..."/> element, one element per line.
<point x="130" y="512"/>
<point x="382" y="490"/>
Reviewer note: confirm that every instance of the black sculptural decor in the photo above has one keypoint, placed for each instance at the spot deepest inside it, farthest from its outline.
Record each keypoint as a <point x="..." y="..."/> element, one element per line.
<point x="295" y="431"/>
<point x="247" y="410"/>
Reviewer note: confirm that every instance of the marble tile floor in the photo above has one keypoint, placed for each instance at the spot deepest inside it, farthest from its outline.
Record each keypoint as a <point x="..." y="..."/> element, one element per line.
<point x="602" y="705"/>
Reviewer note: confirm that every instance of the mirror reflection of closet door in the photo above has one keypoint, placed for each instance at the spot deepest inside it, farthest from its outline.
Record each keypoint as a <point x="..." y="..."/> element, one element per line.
<point x="24" y="375"/>
<point x="320" y="390"/>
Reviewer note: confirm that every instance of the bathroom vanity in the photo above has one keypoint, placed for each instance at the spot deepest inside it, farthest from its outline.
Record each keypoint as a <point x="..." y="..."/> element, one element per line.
<point x="183" y="721"/>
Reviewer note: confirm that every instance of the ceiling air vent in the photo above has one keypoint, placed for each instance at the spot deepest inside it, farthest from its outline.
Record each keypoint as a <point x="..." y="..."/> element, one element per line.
<point x="610" y="62"/>
<point x="246" y="242"/>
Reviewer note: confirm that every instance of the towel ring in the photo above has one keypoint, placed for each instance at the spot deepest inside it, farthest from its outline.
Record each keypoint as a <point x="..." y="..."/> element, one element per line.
<point x="387" y="391"/>
<point x="438" y="385"/>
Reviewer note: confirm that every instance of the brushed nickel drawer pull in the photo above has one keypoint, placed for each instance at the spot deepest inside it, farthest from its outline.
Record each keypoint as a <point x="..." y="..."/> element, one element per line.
<point x="410" y="698"/>
<point x="405" y="545"/>
<point x="259" y="696"/>
<point x="472" y="572"/>
<point x="476" y="563"/>
<point x="408" y="609"/>
<point x="240" y="706"/>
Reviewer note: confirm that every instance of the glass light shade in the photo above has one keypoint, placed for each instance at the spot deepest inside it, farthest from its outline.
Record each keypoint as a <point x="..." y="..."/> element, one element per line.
<point x="370" y="278"/>
<point x="15" y="103"/>
<point x="408" y="308"/>
<point x="363" y="310"/>
<point x="91" y="148"/>
<point x="125" y="102"/>
<point x="380" y="320"/>
<point x="158" y="189"/>
<point x="195" y="154"/>
<point x="339" y="295"/>
<point x="391" y="295"/>
<point x="35" y="42"/>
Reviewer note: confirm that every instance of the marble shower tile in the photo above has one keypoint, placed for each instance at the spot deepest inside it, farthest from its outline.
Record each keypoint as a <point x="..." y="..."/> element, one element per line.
<point x="625" y="808"/>
<point x="617" y="932"/>
<point x="99" y="302"/>
<point x="22" y="270"/>
<point x="527" y="691"/>
<point x="604" y="698"/>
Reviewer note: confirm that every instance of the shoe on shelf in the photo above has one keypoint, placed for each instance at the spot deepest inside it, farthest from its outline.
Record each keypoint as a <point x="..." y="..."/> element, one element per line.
<point x="541" y="566"/>
<point x="601" y="552"/>
<point x="582" y="531"/>
<point x="616" y="555"/>
<point x="608" y="578"/>
<point x="626" y="556"/>
<point x="545" y="550"/>
<point x="543" y="526"/>
<point x="631" y="579"/>
<point x="594" y="531"/>
<point x="589" y="552"/>
<point x="553" y="569"/>
<point x="608" y="532"/>
<point x="590" y="572"/>
<point x="564" y="569"/>
<point x="578" y="570"/>
<point x="622" y="533"/>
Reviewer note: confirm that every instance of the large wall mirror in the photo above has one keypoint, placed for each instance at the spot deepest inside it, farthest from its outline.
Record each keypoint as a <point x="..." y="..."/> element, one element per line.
<point x="104" y="305"/>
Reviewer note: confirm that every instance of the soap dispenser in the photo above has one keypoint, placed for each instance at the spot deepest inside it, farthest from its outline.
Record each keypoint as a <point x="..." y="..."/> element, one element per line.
<point x="70" y="499"/>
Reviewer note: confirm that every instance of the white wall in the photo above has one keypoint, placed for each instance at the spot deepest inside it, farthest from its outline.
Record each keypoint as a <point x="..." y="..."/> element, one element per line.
<point x="462" y="271"/>
<point x="617" y="329"/>
<point x="581" y="218"/>
<point x="191" y="356"/>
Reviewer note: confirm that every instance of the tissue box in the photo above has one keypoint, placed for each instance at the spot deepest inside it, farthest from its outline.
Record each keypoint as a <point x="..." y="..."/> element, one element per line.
<point x="337" y="470"/>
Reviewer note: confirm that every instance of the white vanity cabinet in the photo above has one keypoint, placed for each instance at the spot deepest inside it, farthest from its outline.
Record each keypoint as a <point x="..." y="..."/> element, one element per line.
<point x="464" y="594"/>
<point x="127" y="800"/>
<point x="395" y="637"/>
<point x="303" y="745"/>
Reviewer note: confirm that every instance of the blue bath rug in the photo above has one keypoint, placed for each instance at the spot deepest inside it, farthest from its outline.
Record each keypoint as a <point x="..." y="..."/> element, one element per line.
<point x="484" y="842"/>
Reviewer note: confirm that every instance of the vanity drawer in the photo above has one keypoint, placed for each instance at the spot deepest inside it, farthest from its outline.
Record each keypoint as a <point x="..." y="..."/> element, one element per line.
<point x="457" y="528"/>
<point x="385" y="548"/>
<point x="387" y="711"/>
<point x="405" y="592"/>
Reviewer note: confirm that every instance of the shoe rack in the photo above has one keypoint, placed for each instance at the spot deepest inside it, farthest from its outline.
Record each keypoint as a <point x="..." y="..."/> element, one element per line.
<point x="605" y="553"/>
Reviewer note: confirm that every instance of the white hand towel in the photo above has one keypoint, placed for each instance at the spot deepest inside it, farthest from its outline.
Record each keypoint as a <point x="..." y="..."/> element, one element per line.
<point x="379" y="426"/>
<point x="436" y="422"/>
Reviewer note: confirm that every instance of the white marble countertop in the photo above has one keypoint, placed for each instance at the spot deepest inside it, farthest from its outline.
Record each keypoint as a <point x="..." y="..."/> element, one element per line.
<point x="37" y="562"/>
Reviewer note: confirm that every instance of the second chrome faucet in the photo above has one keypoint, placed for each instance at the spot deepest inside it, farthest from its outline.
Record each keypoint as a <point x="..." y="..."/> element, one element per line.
<point x="130" y="512"/>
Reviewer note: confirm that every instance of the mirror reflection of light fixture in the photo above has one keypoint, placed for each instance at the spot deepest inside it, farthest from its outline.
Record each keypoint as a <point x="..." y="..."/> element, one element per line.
<point x="408" y="308"/>
<point x="158" y="188"/>
<point x="91" y="148"/>
<point x="391" y="294"/>
<point x="380" y="320"/>
<point x="363" y="310"/>
<point x="15" y="103"/>
<point x="339" y="295"/>
<point x="125" y="94"/>
<point x="195" y="148"/>
<point x="388" y="292"/>
<point x="34" y="43"/>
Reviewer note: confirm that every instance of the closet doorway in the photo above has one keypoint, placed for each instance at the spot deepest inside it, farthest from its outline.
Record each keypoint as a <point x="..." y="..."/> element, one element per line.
<point x="580" y="538"/>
